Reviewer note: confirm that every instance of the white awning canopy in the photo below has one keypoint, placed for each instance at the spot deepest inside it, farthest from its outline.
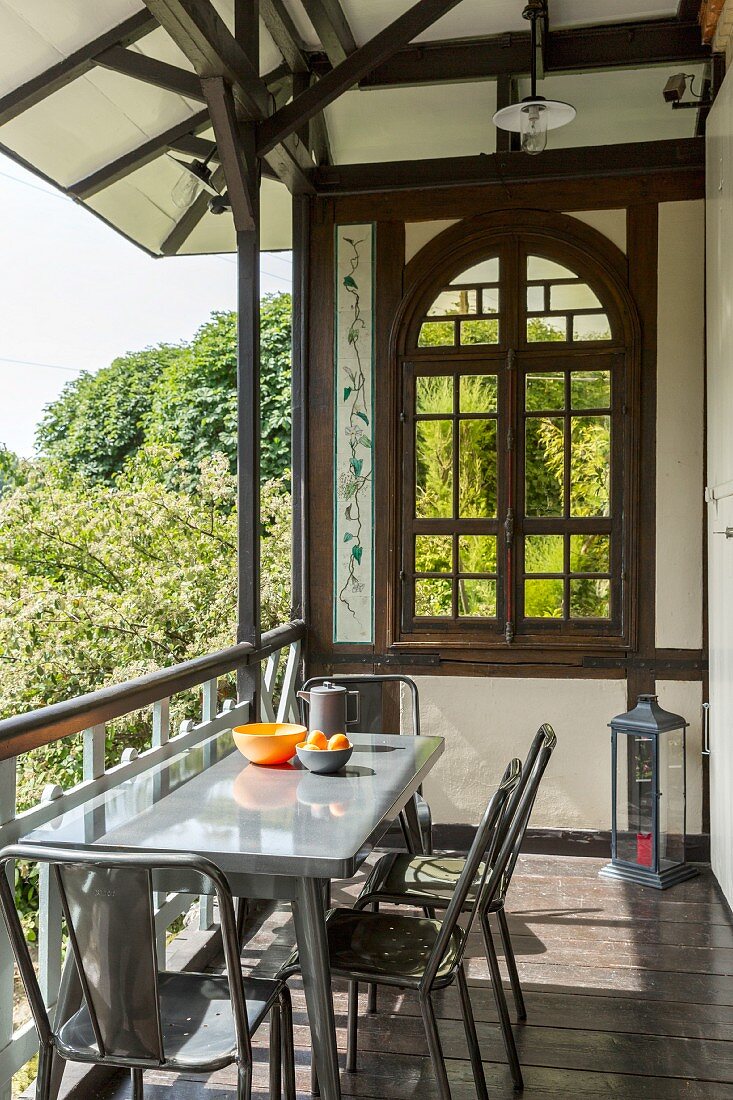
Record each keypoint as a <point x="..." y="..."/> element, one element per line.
<point x="70" y="122"/>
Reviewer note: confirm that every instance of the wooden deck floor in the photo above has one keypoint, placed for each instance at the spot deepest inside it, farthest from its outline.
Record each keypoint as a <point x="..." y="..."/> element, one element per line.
<point x="629" y="995"/>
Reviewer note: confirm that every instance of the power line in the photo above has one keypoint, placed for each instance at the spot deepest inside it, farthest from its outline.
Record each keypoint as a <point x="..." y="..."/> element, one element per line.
<point x="49" y="366"/>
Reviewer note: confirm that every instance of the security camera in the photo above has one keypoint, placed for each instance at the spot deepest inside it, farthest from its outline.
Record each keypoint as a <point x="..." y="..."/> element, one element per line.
<point x="675" y="88"/>
<point x="219" y="204"/>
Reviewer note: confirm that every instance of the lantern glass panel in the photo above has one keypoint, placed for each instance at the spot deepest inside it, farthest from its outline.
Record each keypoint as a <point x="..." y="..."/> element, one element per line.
<point x="634" y="799"/>
<point x="672" y="798"/>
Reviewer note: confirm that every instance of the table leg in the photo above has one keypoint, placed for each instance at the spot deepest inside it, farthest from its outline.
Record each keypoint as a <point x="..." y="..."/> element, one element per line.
<point x="309" y="916"/>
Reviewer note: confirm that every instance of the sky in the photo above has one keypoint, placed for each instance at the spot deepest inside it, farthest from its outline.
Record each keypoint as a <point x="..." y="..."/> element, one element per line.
<point x="74" y="294"/>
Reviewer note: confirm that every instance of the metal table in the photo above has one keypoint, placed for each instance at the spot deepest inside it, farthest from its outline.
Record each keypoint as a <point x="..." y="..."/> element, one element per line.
<point x="280" y="833"/>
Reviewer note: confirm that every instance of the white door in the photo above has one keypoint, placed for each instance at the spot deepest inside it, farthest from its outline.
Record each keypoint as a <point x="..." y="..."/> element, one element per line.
<point x="719" y="216"/>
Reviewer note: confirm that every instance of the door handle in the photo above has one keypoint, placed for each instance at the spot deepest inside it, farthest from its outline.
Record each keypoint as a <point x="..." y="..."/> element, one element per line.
<point x="706" y="729"/>
<point x="728" y="532"/>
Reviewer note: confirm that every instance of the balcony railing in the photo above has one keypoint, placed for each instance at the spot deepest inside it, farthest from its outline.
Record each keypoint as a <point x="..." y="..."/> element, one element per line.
<point x="89" y="715"/>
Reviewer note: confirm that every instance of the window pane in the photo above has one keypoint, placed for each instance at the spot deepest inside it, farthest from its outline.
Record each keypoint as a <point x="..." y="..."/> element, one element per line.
<point x="590" y="554"/>
<point x="477" y="599"/>
<point x="477" y="469"/>
<point x="433" y="597"/>
<point x="573" y="296"/>
<point x="544" y="554"/>
<point x="454" y="301"/>
<point x="535" y="299"/>
<point x="434" y="393"/>
<point x="479" y="332"/>
<point x="590" y="599"/>
<point x="485" y="272"/>
<point x="591" y="326"/>
<point x="490" y="299"/>
<point x="433" y="553"/>
<point x="477" y="393"/>
<point x="543" y="599"/>
<point x="545" y="391"/>
<point x="437" y="334"/>
<point x="434" y="469"/>
<point x="545" y="330"/>
<point x="590" y="466"/>
<point x="540" y="268"/>
<point x="544" y="466"/>
<point x="477" y="553"/>
<point x="590" y="389"/>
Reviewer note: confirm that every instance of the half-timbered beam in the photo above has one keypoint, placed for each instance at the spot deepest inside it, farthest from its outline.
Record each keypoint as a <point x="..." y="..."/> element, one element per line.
<point x="75" y="65"/>
<point x="137" y="157"/>
<point x="238" y="174"/>
<point x="295" y="114"/>
<point x="284" y="34"/>
<point x="151" y="71"/>
<point x="576" y="49"/>
<point x="667" y="157"/>
<point x="332" y="27"/>
<point x="204" y="38"/>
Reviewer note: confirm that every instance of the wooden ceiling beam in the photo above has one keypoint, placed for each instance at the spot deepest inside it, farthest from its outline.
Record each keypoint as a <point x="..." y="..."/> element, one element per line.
<point x="151" y="71"/>
<point x="332" y="28"/>
<point x="634" y="158"/>
<point x="198" y="30"/>
<point x="284" y="34"/>
<point x="240" y="176"/>
<point x="137" y="157"/>
<point x="295" y="114"/>
<point x="688" y="10"/>
<point x="78" y="63"/>
<point x="575" y="50"/>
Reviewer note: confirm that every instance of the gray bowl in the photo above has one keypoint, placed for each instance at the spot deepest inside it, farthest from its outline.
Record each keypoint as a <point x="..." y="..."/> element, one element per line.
<point x="324" y="761"/>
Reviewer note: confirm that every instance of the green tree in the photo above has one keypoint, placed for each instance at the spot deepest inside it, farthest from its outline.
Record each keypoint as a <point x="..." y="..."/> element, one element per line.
<point x="183" y="396"/>
<point x="12" y="470"/>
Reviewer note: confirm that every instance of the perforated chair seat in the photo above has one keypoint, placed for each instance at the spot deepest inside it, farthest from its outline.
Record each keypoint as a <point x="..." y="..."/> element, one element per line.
<point x="389" y="948"/>
<point x="196" y="1019"/>
<point x="426" y="880"/>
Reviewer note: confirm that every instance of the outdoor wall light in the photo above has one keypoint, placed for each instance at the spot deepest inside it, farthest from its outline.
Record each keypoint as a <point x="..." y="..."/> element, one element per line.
<point x="195" y="177"/>
<point x="675" y="89"/>
<point x="535" y="115"/>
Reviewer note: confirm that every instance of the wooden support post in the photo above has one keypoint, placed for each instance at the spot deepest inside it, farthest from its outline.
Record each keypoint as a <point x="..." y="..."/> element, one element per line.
<point x="299" y="461"/>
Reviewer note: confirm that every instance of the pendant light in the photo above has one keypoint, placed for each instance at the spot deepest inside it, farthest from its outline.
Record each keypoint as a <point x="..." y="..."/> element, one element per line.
<point x="535" y="115"/>
<point x="196" y="177"/>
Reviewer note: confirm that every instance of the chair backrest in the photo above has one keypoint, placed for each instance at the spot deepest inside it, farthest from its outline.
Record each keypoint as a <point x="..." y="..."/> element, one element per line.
<point x="371" y="698"/>
<point x="107" y="900"/>
<point x="483" y="850"/>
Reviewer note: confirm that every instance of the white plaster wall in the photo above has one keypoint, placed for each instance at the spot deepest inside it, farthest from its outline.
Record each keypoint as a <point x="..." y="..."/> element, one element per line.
<point x="680" y="424"/>
<point x="418" y="234"/>
<point x="611" y="223"/>
<point x="486" y="721"/>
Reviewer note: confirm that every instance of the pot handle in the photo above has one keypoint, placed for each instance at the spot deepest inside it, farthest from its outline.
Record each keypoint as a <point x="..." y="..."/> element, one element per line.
<point x="355" y="719"/>
<point x="304" y="695"/>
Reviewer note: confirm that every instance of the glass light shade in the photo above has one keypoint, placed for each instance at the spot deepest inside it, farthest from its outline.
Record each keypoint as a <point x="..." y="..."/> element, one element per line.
<point x="518" y="118"/>
<point x="533" y="128"/>
<point x="185" y="190"/>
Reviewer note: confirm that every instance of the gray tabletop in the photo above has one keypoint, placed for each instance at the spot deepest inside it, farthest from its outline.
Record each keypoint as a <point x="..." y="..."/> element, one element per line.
<point x="280" y="821"/>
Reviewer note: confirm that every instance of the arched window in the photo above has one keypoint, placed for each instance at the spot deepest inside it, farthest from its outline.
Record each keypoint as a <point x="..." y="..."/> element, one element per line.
<point x="514" y="415"/>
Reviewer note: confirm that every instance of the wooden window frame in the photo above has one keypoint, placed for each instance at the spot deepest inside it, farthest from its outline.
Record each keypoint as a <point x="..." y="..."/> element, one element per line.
<point x="513" y="236"/>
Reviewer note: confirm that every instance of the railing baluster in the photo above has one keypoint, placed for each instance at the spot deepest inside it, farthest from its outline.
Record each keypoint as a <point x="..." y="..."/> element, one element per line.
<point x="288" y="706"/>
<point x="209" y="704"/>
<point x="267" y="686"/>
<point x="49" y="922"/>
<point x="161" y="722"/>
<point x="7" y="961"/>
<point x="94" y="755"/>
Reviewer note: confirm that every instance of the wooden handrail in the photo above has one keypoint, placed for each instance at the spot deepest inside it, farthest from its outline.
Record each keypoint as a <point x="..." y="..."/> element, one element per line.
<point x="24" y="732"/>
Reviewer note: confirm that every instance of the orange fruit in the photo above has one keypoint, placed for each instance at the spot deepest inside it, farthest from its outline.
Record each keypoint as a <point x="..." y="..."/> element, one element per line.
<point x="339" y="741"/>
<point x="317" y="740"/>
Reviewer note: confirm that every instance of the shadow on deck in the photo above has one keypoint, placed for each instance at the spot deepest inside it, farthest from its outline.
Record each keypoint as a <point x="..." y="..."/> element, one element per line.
<point x="629" y="995"/>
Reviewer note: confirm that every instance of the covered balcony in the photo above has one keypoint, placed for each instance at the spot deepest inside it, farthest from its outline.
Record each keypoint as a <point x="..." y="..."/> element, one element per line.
<point x="511" y="484"/>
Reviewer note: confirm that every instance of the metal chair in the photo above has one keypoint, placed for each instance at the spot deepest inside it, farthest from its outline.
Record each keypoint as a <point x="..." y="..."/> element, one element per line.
<point x="132" y="1014"/>
<point x="430" y="882"/>
<point x="419" y="953"/>
<point x="371" y="720"/>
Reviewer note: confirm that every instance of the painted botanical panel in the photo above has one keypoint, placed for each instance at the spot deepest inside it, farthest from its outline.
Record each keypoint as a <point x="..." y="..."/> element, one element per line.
<point x="353" y="396"/>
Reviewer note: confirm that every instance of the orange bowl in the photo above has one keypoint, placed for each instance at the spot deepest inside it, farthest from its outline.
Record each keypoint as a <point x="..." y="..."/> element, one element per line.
<point x="268" y="742"/>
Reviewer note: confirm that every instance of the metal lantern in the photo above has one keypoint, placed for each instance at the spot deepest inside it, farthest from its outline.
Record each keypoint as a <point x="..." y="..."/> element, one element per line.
<point x="648" y="796"/>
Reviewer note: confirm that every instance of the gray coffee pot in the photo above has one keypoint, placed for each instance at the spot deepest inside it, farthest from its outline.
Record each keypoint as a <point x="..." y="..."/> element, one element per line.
<point x="328" y="708"/>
